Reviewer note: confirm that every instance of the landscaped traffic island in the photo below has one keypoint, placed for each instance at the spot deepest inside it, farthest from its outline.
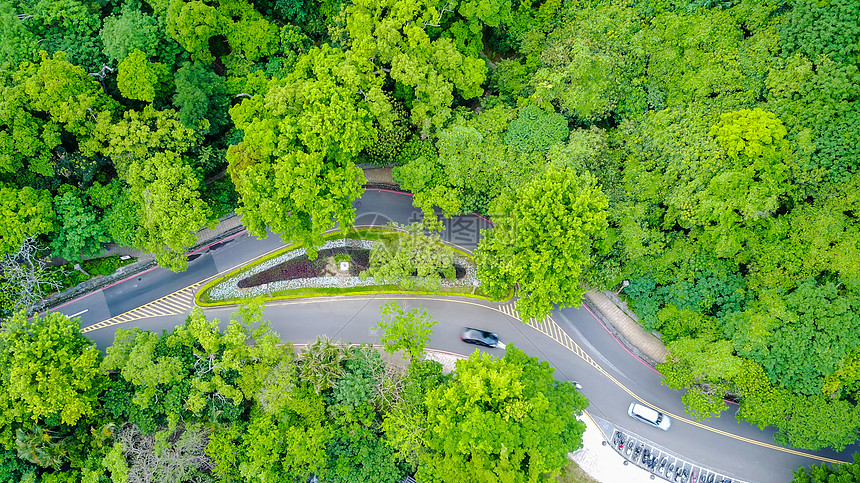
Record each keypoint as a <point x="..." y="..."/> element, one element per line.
<point x="343" y="266"/>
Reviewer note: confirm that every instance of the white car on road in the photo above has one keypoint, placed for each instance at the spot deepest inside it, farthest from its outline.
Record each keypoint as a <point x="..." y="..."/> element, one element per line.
<point x="650" y="416"/>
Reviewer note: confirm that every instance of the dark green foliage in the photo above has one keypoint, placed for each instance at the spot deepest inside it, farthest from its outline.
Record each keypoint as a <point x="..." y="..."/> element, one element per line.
<point x="812" y="333"/>
<point x="105" y="265"/>
<point x="832" y="27"/>
<point x="202" y="98"/>
<point x="14" y="469"/>
<point x="17" y="44"/>
<point x="390" y="140"/>
<point x="81" y="233"/>
<point x="534" y="129"/>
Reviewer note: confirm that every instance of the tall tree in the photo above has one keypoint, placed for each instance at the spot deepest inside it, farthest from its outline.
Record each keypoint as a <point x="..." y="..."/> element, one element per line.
<point x="542" y="241"/>
<point x="26" y="212"/>
<point x="406" y="331"/>
<point x="48" y="370"/>
<point x="294" y="169"/>
<point x="396" y="41"/>
<point x="140" y="79"/>
<point x="533" y="417"/>
<point x="81" y="233"/>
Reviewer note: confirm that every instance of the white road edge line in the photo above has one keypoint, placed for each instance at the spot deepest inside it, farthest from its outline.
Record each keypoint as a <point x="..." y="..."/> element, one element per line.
<point x="79" y="313"/>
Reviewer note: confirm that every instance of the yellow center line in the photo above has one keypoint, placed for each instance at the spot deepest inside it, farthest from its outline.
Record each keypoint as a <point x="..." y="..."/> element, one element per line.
<point x="501" y="308"/>
<point x="583" y="355"/>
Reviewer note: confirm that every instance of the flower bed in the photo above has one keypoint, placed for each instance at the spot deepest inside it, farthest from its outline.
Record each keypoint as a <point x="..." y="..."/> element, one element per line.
<point x="293" y="271"/>
<point x="301" y="267"/>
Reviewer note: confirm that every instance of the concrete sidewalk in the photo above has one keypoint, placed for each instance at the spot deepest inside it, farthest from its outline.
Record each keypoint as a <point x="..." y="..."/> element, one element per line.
<point x="627" y="330"/>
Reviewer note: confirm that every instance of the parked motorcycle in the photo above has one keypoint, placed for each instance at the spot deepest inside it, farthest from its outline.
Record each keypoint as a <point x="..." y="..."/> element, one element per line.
<point x="663" y="465"/>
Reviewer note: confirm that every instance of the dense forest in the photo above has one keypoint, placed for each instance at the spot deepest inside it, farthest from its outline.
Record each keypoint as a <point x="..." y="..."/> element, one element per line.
<point x="705" y="150"/>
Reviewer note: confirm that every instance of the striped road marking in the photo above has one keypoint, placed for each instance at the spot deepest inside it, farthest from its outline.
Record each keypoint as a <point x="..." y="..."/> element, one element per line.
<point x="177" y="303"/>
<point x="550" y="328"/>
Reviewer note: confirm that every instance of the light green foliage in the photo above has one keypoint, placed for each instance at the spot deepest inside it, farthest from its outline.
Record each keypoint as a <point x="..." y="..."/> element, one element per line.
<point x="119" y="214"/>
<point x="491" y="12"/>
<point x="702" y="404"/>
<point x="753" y="133"/>
<point x="192" y="24"/>
<point x="26" y="212"/>
<point x="541" y="241"/>
<point x="216" y="353"/>
<point x="140" y="79"/>
<point x="533" y="417"/>
<point x="293" y="170"/>
<point x="415" y="259"/>
<point x="587" y="67"/>
<point x="406" y="331"/>
<point x="841" y="473"/>
<point x="66" y="92"/>
<point x="473" y="165"/>
<point x="140" y="134"/>
<point x="580" y="81"/>
<point x="80" y="232"/>
<point x="252" y="34"/>
<point x="752" y="188"/>
<point x="692" y="56"/>
<point x="26" y="139"/>
<point x="131" y="30"/>
<point x="585" y="150"/>
<point x="47" y="369"/>
<point x="146" y="148"/>
<point x="166" y="190"/>
<point x="115" y="463"/>
<point x="133" y="355"/>
<point x="292" y="447"/>
<point x="704" y="366"/>
<point x="404" y="422"/>
<point x="536" y="130"/>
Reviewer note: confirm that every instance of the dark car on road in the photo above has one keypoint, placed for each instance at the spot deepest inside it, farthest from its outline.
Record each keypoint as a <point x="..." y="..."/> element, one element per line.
<point x="480" y="337"/>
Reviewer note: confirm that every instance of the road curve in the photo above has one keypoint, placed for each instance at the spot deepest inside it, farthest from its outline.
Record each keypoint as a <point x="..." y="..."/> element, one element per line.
<point x="573" y="341"/>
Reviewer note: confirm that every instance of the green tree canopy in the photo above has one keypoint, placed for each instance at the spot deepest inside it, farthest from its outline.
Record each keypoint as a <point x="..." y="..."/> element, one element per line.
<point x="407" y="331"/>
<point x="48" y="369"/>
<point x="294" y="169"/>
<point x="542" y="240"/>
<point x="414" y="259"/>
<point x="533" y="417"/>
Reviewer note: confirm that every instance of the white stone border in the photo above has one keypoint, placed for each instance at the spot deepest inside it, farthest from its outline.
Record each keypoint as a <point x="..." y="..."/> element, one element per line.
<point x="229" y="288"/>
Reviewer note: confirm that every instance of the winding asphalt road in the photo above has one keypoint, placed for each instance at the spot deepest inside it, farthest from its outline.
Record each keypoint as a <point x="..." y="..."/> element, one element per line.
<point x="573" y="341"/>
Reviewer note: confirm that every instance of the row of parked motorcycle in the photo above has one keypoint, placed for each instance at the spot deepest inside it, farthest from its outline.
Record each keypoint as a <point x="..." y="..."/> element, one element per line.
<point x="676" y="471"/>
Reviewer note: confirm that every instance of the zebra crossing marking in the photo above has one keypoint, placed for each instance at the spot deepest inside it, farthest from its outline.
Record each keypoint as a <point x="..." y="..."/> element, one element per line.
<point x="177" y="303"/>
